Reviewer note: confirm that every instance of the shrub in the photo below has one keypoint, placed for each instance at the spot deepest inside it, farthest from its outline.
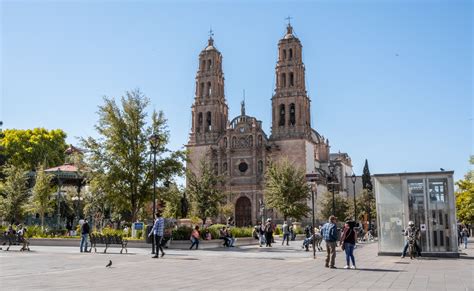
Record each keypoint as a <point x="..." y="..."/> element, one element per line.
<point x="182" y="233"/>
<point x="278" y="230"/>
<point x="110" y="231"/>
<point x="242" y="231"/>
<point x="214" y="230"/>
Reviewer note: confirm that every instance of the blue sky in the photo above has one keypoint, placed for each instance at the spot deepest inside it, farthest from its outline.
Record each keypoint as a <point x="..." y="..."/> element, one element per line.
<point x="390" y="81"/>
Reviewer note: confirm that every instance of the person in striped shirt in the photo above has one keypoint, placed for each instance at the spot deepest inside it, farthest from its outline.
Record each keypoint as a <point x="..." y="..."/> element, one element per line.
<point x="157" y="232"/>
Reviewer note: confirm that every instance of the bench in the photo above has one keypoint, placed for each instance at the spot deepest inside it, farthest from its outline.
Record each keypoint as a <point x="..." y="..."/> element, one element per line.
<point x="15" y="239"/>
<point x="108" y="240"/>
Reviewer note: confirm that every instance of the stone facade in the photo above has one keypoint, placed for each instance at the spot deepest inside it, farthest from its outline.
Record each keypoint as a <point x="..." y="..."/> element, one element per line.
<point x="239" y="150"/>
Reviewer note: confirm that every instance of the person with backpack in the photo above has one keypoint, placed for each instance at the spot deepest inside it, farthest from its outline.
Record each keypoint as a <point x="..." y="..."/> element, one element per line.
<point x="348" y="241"/>
<point x="329" y="233"/>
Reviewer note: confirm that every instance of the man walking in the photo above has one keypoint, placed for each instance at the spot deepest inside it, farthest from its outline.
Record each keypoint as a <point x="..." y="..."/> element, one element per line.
<point x="157" y="232"/>
<point x="329" y="233"/>
<point x="286" y="233"/>
<point x="85" y="229"/>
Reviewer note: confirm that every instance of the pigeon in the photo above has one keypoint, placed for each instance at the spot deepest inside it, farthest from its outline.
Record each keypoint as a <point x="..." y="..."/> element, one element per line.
<point x="109" y="264"/>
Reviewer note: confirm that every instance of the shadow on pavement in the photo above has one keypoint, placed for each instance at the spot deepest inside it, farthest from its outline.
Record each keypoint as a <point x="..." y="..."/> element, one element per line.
<point x="464" y="257"/>
<point x="379" y="270"/>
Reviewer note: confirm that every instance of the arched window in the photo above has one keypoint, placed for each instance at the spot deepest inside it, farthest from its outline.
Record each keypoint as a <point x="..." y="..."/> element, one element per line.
<point x="209" y="64"/>
<point x="209" y="89"/>
<point x="201" y="89"/>
<point x="259" y="142"/>
<point x="225" y="142"/>
<point x="284" y="54"/>
<point x="260" y="167"/>
<point x="283" y="80"/>
<point x="291" y="54"/>
<point x="208" y="120"/>
<point x="203" y="65"/>
<point x="224" y="167"/>
<point x="292" y="114"/>
<point x="292" y="80"/>
<point x="199" y="122"/>
<point x="216" y="168"/>
<point x="282" y="115"/>
<point x="234" y="142"/>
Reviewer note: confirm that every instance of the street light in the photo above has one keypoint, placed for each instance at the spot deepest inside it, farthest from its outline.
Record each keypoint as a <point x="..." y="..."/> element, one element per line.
<point x="353" y="179"/>
<point x="333" y="183"/>
<point x="314" y="190"/>
<point x="154" y="140"/>
<point x="262" y="210"/>
<point x="58" y="173"/>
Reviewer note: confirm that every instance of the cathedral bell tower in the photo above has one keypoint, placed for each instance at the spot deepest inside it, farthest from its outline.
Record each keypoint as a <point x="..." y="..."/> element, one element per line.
<point x="290" y="104"/>
<point x="209" y="111"/>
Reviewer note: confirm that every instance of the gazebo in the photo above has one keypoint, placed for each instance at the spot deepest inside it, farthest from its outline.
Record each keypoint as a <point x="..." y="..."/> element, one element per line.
<point x="67" y="175"/>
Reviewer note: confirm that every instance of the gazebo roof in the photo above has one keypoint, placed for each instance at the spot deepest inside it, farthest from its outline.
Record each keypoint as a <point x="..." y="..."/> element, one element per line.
<point x="68" y="173"/>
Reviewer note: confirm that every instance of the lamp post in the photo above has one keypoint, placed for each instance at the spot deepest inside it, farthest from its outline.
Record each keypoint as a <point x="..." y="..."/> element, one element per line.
<point x="262" y="210"/>
<point x="314" y="190"/>
<point x="154" y="143"/>
<point x="58" y="173"/>
<point x="333" y="182"/>
<point x="353" y="179"/>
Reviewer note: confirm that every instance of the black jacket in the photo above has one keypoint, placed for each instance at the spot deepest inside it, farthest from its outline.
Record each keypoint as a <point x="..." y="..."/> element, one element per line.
<point x="85" y="228"/>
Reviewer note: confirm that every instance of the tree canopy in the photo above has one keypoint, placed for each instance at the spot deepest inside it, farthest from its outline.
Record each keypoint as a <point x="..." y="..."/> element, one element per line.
<point x="121" y="154"/>
<point x="286" y="189"/>
<point x="205" y="191"/>
<point x="325" y="207"/>
<point x="28" y="148"/>
<point x="465" y="197"/>
<point x="41" y="201"/>
<point x="14" y="194"/>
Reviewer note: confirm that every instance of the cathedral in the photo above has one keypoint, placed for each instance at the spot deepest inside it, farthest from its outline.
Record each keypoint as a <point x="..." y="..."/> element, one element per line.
<point x="239" y="149"/>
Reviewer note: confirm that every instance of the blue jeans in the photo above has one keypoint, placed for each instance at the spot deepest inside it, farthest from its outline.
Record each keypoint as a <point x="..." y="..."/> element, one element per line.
<point x="286" y="236"/>
<point x="349" y="249"/>
<point x="464" y="238"/>
<point x="195" y="242"/>
<point x="84" y="239"/>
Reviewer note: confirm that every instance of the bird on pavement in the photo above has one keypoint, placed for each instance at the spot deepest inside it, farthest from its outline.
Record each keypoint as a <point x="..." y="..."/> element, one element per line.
<point x="109" y="264"/>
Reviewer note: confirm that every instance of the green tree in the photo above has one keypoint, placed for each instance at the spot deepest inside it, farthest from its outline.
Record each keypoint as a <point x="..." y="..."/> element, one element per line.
<point x="205" y="191"/>
<point x="465" y="197"/>
<point x="121" y="155"/>
<point x="172" y="197"/>
<point x="41" y="200"/>
<point x="14" y="194"/>
<point x="286" y="189"/>
<point x="325" y="207"/>
<point x="365" y="203"/>
<point x="28" y="148"/>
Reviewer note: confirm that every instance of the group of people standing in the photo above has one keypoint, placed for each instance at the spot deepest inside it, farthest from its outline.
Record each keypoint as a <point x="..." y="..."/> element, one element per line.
<point x="347" y="241"/>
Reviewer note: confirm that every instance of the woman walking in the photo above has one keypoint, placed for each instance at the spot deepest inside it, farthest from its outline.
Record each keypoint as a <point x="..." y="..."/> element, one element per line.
<point x="348" y="240"/>
<point x="195" y="238"/>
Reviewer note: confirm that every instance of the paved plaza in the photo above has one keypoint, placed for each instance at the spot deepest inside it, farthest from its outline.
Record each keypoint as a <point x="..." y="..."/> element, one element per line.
<point x="241" y="268"/>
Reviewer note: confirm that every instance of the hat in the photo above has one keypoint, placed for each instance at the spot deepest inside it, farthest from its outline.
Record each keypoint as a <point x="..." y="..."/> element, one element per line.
<point x="269" y="219"/>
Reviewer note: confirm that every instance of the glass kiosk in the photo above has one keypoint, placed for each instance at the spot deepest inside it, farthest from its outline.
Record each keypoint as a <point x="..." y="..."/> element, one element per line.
<point x="425" y="198"/>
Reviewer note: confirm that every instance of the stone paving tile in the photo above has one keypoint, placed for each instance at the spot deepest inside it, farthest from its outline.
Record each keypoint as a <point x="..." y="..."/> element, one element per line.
<point x="244" y="268"/>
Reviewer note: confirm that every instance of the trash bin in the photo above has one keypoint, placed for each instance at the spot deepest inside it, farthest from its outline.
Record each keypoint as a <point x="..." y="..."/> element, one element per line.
<point x="148" y="238"/>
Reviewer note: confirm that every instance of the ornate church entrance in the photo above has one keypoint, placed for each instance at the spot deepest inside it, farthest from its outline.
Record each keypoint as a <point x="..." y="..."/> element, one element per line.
<point x="243" y="212"/>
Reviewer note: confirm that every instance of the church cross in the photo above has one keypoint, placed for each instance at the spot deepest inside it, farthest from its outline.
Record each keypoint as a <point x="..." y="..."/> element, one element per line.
<point x="289" y="19"/>
<point x="211" y="33"/>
